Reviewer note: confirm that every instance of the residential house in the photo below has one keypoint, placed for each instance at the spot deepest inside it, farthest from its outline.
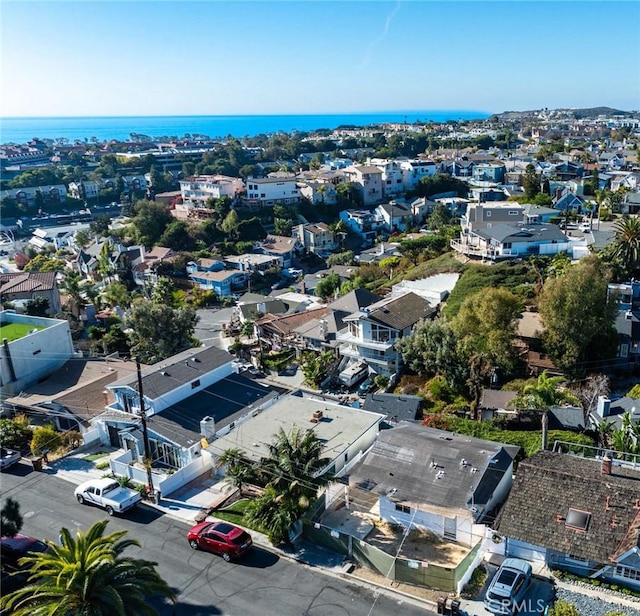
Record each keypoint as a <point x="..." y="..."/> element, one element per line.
<point x="446" y="483"/>
<point x="373" y="331"/>
<point x="576" y="514"/>
<point x="627" y="322"/>
<point x="367" y="179"/>
<point x="458" y="168"/>
<point x="224" y="283"/>
<point x="135" y="184"/>
<point x="488" y="172"/>
<point x="611" y="161"/>
<point x="145" y="271"/>
<point x="566" y="201"/>
<point x="320" y="332"/>
<point x="396" y="408"/>
<point x="321" y="188"/>
<point x="345" y="433"/>
<point x="197" y="190"/>
<point x="31" y="196"/>
<point x="365" y="223"/>
<point x="413" y="170"/>
<point x="482" y="194"/>
<point x="58" y="237"/>
<point x="392" y="176"/>
<point x="24" y="286"/>
<point x="72" y="396"/>
<point x="284" y="248"/>
<point x="249" y="262"/>
<point x="288" y="330"/>
<point x="33" y="356"/>
<point x="568" y="170"/>
<point x="496" y="402"/>
<point x="396" y="214"/>
<point x="279" y="189"/>
<point x="505" y="241"/>
<point x="107" y="258"/>
<point x="631" y="204"/>
<point x="421" y="208"/>
<point x="188" y="400"/>
<point x="630" y="181"/>
<point x="315" y="237"/>
<point x="85" y="190"/>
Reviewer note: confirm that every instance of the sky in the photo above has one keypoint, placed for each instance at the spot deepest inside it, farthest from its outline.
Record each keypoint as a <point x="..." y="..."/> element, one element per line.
<point x="106" y="57"/>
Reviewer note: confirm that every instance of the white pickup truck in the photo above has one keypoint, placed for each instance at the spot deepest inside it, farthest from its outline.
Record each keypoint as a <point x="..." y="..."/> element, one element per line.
<point x="108" y="494"/>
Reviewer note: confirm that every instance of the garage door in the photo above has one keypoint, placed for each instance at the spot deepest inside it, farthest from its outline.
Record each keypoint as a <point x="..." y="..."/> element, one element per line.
<point x="526" y="551"/>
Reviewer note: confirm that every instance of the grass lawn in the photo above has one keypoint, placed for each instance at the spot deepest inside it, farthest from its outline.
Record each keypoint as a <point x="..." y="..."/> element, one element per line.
<point x="92" y="457"/>
<point x="15" y="331"/>
<point x="235" y="514"/>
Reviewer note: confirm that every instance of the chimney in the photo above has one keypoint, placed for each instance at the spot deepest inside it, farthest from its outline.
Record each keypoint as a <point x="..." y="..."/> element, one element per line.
<point x="208" y="428"/>
<point x="317" y="416"/>
<point x="545" y="430"/>
<point x="303" y="287"/>
<point x="604" y="406"/>
<point x="605" y="469"/>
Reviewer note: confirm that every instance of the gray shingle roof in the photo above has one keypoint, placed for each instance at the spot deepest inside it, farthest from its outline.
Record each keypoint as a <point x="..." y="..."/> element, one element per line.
<point x="548" y="484"/>
<point x="396" y="408"/>
<point x="400" y="312"/>
<point x="178" y="370"/>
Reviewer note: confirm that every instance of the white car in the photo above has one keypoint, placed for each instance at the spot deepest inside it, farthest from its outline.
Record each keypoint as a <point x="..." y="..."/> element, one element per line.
<point x="585" y="227"/>
<point x="8" y="457"/>
<point x="108" y="494"/>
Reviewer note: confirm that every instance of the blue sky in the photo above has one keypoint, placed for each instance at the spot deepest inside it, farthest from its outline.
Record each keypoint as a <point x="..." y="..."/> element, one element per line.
<point x="107" y="57"/>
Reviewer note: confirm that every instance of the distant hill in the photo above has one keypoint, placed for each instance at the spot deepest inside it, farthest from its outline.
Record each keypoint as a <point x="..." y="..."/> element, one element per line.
<point x="591" y="112"/>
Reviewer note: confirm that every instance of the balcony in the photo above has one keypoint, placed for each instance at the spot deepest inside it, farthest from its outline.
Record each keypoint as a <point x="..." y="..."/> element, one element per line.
<point x="375" y="345"/>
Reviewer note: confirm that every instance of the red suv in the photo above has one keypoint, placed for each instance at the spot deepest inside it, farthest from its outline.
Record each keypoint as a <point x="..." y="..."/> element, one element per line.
<point x="220" y="538"/>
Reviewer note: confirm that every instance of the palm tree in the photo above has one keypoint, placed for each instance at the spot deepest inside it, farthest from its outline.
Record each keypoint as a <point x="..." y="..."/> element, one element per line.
<point x="239" y="470"/>
<point x="626" y="245"/>
<point x="293" y="472"/>
<point x="546" y="392"/>
<point x="116" y="294"/>
<point x="72" y="285"/>
<point x="88" y="575"/>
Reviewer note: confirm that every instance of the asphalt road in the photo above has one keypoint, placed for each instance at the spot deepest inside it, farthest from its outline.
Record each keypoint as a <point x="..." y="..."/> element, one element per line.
<point x="262" y="583"/>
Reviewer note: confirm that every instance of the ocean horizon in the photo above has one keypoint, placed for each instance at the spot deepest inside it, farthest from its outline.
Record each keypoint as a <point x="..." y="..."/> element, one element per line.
<point x="20" y="130"/>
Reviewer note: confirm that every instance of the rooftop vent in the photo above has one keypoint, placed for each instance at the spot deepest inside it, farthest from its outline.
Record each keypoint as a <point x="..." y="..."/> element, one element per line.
<point x="463" y="462"/>
<point x="316" y="417"/>
<point x="474" y="469"/>
<point x="164" y="373"/>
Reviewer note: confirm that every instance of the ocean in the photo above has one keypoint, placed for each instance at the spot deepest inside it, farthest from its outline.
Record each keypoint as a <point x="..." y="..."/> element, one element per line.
<point x="20" y="130"/>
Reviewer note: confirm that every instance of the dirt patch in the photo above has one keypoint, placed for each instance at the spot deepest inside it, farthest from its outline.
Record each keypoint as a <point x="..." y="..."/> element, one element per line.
<point x="417" y="545"/>
<point x="426" y="594"/>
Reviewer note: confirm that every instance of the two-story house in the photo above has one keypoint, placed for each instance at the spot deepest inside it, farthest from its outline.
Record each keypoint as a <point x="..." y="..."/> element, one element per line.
<point x="197" y="190"/>
<point x="373" y="330"/>
<point x="276" y="189"/>
<point x="284" y="248"/>
<point x="488" y="172"/>
<point x="365" y="223"/>
<point x="25" y="286"/>
<point x="316" y="237"/>
<point x="397" y="215"/>
<point x="627" y="321"/>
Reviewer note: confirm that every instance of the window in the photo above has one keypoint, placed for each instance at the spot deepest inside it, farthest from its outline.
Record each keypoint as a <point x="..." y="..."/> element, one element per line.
<point x="403" y="508"/>
<point x="38" y="351"/>
<point x="627" y="573"/>
<point x="513" y="212"/>
<point x="195" y="384"/>
<point x="488" y="214"/>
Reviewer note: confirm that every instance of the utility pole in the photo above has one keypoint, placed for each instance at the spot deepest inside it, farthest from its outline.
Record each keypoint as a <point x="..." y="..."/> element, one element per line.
<point x="145" y="434"/>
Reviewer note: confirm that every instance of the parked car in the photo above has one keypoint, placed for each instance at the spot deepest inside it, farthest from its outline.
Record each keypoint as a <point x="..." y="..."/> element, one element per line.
<point x="12" y="549"/>
<point x="220" y="538"/>
<point x="108" y="494"/>
<point x="585" y="227"/>
<point x="367" y="385"/>
<point x="8" y="457"/>
<point x="508" y="587"/>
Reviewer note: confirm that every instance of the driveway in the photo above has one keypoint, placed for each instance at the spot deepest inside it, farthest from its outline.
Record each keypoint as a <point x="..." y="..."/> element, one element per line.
<point x="538" y="597"/>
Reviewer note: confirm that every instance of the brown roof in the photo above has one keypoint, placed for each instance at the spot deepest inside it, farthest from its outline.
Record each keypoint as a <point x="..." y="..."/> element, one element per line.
<point x="284" y="325"/>
<point x="548" y="485"/>
<point x="27" y="282"/>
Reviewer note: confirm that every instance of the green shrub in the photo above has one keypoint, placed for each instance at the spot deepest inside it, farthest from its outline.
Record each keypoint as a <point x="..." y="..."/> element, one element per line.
<point x="103" y="465"/>
<point x="15" y="433"/>
<point x="45" y="438"/>
<point x="562" y="608"/>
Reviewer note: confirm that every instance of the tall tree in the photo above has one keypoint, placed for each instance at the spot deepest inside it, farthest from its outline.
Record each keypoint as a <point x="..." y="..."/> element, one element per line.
<point x="432" y="349"/>
<point x="159" y="331"/>
<point x="150" y="221"/>
<point x="89" y="574"/>
<point x="530" y="181"/>
<point x="578" y="317"/>
<point x="486" y="324"/>
<point x="10" y="518"/>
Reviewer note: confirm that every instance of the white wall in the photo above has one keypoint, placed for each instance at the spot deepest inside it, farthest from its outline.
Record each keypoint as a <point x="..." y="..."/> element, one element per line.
<point x="35" y="355"/>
